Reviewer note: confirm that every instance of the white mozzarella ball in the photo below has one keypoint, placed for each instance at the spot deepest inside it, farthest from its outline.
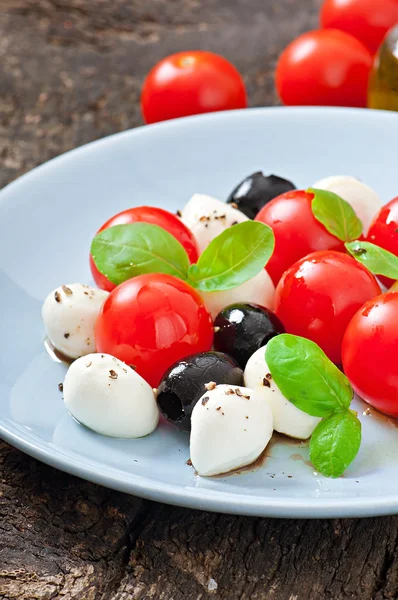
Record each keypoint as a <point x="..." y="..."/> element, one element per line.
<point x="362" y="198"/>
<point x="109" y="397"/>
<point x="69" y="314"/>
<point x="207" y="217"/>
<point x="231" y="426"/>
<point x="258" y="290"/>
<point x="287" y="418"/>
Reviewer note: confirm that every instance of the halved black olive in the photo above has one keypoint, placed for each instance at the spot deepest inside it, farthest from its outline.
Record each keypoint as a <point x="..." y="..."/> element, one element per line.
<point x="256" y="190"/>
<point x="185" y="382"/>
<point x="241" y="329"/>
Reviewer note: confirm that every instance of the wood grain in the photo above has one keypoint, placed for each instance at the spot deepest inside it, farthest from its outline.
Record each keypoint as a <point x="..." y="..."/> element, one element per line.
<point x="70" y="72"/>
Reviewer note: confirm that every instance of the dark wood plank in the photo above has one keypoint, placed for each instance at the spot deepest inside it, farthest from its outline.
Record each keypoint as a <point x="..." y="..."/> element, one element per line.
<point x="184" y="555"/>
<point x="60" y="536"/>
<point x="70" y="72"/>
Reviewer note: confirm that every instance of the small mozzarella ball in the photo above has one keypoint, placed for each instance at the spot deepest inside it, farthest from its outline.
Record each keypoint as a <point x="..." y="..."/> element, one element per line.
<point x="287" y="418"/>
<point x="207" y="217"/>
<point x="362" y="198"/>
<point x="109" y="397"/>
<point x="231" y="426"/>
<point x="258" y="290"/>
<point x="69" y="314"/>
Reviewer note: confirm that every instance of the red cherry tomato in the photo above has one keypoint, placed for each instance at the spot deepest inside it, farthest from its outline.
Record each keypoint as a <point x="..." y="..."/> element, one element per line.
<point x="151" y="321"/>
<point x="370" y="349"/>
<point x="190" y="83"/>
<point x="296" y="231"/>
<point x="318" y="296"/>
<point x="155" y="216"/>
<point x="366" y="20"/>
<point x="383" y="232"/>
<point x="326" y="67"/>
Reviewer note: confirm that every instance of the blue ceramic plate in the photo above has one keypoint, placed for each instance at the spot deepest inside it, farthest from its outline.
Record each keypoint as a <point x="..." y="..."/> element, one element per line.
<point x="48" y="218"/>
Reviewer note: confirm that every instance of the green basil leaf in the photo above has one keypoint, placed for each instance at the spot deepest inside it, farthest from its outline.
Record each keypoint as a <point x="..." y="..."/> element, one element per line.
<point x="124" y="251"/>
<point x="336" y="215"/>
<point x="376" y="259"/>
<point x="335" y="443"/>
<point x="233" y="257"/>
<point x="306" y="377"/>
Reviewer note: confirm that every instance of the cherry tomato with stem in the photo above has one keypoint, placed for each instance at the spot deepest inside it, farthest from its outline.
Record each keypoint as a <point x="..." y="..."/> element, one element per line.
<point x="151" y="321"/>
<point x="370" y="349"/>
<point x="190" y="83"/>
<point x="318" y="296"/>
<point x="366" y="20"/>
<point x="154" y="216"/>
<point x="383" y="232"/>
<point x="296" y="231"/>
<point x="326" y="67"/>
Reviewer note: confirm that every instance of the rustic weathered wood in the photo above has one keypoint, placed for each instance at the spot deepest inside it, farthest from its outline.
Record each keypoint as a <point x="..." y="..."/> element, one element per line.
<point x="70" y="72"/>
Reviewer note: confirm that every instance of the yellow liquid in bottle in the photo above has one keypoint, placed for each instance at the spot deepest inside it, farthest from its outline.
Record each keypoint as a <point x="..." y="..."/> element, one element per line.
<point x="383" y="83"/>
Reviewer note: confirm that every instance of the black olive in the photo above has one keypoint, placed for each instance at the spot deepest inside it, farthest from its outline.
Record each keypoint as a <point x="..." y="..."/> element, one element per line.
<point x="184" y="383"/>
<point x="256" y="190"/>
<point x="241" y="329"/>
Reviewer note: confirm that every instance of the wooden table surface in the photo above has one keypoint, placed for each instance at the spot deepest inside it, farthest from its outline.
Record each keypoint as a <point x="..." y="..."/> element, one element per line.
<point x="70" y="72"/>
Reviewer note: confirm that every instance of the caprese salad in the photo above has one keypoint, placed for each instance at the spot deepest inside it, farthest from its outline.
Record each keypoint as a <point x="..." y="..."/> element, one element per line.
<point x="236" y="319"/>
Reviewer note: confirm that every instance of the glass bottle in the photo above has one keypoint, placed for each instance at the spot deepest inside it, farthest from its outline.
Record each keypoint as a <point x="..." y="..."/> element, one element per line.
<point x="383" y="83"/>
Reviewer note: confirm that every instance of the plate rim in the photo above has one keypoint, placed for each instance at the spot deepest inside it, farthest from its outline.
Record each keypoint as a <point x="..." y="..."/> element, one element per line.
<point x="192" y="497"/>
<point x="200" y="499"/>
<point x="152" y="129"/>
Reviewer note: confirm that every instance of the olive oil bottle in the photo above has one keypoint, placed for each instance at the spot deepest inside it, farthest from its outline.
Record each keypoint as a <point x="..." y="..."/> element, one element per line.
<point x="383" y="83"/>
